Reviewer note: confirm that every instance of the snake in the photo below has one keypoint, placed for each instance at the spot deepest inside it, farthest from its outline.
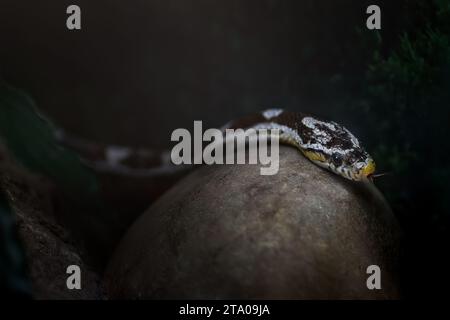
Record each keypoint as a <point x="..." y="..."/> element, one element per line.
<point x="327" y="144"/>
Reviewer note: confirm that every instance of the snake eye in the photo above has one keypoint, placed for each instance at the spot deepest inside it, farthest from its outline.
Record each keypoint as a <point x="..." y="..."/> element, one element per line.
<point x="336" y="158"/>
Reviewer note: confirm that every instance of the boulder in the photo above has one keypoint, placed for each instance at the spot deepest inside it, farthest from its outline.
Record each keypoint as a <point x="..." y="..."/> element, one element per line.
<point x="48" y="246"/>
<point x="225" y="231"/>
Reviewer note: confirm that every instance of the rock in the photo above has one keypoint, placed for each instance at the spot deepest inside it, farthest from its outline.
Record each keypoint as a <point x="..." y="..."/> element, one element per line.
<point x="228" y="232"/>
<point x="48" y="245"/>
<point x="13" y="277"/>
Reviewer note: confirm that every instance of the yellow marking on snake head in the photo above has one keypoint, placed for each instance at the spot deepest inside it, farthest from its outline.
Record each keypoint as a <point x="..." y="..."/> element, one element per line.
<point x="314" y="156"/>
<point x="369" y="168"/>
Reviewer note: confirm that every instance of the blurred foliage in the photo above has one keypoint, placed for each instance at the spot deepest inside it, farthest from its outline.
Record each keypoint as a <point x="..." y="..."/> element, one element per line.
<point x="408" y="113"/>
<point x="31" y="138"/>
<point x="400" y="101"/>
<point x="13" y="281"/>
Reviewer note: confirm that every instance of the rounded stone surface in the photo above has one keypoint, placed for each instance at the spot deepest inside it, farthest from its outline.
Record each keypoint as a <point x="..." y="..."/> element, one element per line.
<point x="225" y="231"/>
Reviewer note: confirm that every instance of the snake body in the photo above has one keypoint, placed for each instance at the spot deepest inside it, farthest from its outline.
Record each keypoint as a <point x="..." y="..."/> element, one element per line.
<point x="325" y="143"/>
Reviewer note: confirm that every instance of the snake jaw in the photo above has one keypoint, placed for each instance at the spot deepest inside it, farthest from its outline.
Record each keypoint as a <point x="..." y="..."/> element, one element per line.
<point x="357" y="171"/>
<point x="369" y="168"/>
<point x="364" y="170"/>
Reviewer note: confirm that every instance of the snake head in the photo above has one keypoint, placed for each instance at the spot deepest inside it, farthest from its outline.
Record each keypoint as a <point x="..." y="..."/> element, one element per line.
<point x="335" y="148"/>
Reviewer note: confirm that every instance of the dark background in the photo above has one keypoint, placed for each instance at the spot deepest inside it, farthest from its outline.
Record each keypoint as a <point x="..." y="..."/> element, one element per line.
<point x="139" y="69"/>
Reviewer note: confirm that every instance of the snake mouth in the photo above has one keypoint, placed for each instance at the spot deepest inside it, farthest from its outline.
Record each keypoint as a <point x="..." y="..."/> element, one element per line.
<point x="369" y="169"/>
